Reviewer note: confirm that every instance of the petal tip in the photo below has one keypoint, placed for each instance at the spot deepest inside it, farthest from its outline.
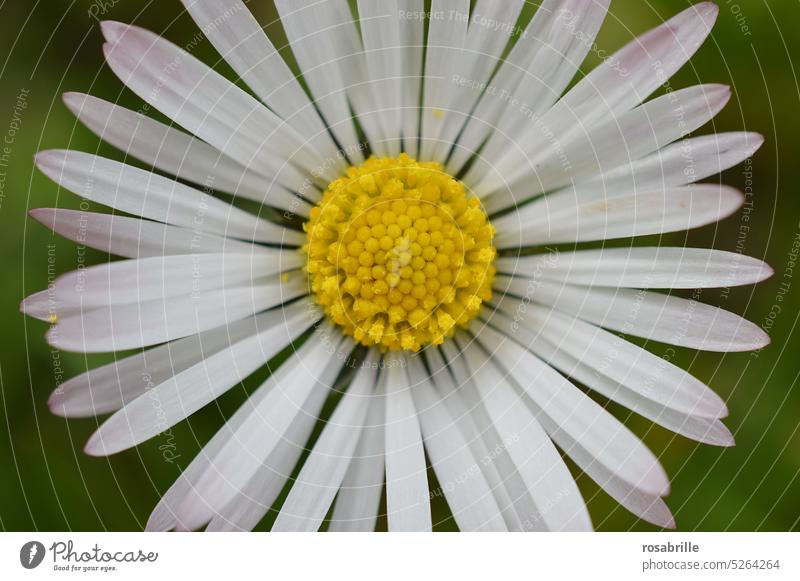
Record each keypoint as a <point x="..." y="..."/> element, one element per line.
<point x="49" y="159"/>
<point x="37" y="213"/>
<point x="113" y="30"/>
<point x="57" y="405"/>
<point x="709" y="8"/>
<point x="94" y="446"/>
<point x="758" y="140"/>
<point x="765" y="273"/>
<point x="75" y="101"/>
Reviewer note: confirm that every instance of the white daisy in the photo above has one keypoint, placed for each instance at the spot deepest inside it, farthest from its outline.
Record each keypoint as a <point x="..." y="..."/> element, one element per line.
<point x="421" y="152"/>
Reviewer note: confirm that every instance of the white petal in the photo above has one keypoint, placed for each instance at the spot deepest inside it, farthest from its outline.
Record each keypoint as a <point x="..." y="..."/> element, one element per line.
<point x="621" y="361"/>
<point x="544" y="53"/>
<point x="461" y="480"/>
<point x="683" y="162"/>
<point x="250" y="505"/>
<point x="380" y="24"/>
<point x="621" y="81"/>
<point x="238" y="37"/>
<point x="107" y="388"/>
<point x="165" y="514"/>
<point x="149" y="195"/>
<point x="674" y="320"/>
<point x="407" y="496"/>
<point x="44" y="306"/>
<point x="491" y="25"/>
<point x="146" y="279"/>
<point x="324" y="470"/>
<point x="630" y="75"/>
<point x="132" y="237"/>
<point x="549" y="53"/>
<point x="546" y="163"/>
<point x="511" y="491"/>
<point x="329" y="53"/>
<point x="644" y="505"/>
<point x="649" y="507"/>
<point x="313" y="367"/>
<point x="177" y="153"/>
<point x="562" y="407"/>
<point x="358" y="501"/>
<point x="550" y="483"/>
<point x="632" y="396"/>
<point x="412" y="38"/>
<point x="209" y="106"/>
<point x="624" y="216"/>
<point x="166" y="404"/>
<point x="639" y="267"/>
<point x="446" y="38"/>
<point x="481" y="442"/>
<point x="131" y="326"/>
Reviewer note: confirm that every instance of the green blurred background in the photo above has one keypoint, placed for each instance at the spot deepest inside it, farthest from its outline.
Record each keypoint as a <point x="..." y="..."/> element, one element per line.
<point x="47" y="483"/>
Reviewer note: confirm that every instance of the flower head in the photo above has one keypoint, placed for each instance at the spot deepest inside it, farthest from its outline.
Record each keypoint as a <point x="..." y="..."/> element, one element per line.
<point x="443" y="296"/>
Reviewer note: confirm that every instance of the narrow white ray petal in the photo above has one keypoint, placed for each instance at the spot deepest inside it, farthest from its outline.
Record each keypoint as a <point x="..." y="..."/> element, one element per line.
<point x="641" y="267"/>
<point x="327" y="48"/>
<point x="358" y="501"/>
<point x="446" y="37"/>
<point x="528" y="514"/>
<point x="683" y="162"/>
<point x="44" y="306"/>
<point x="461" y="480"/>
<point x="649" y="507"/>
<point x="240" y="40"/>
<point x="484" y="444"/>
<point x="407" y="494"/>
<point x="548" y="163"/>
<point x="251" y="504"/>
<point x="629" y="76"/>
<point x="561" y="407"/>
<point x="624" y="216"/>
<point x="550" y="483"/>
<point x="177" y="153"/>
<point x="208" y="105"/>
<point x="165" y="515"/>
<point x="412" y="39"/>
<point x="314" y="367"/>
<point x="491" y="24"/>
<point x="107" y="388"/>
<point x="546" y="56"/>
<point x="149" y="195"/>
<point x="380" y="24"/>
<point x="620" y="82"/>
<point x="166" y="404"/>
<point x="133" y="237"/>
<point x="656" y="316"/>
<point x="324" y="470"/>
<point x="146" y="279"/>
<point x="131" y="326"/>
<point x="563" y="35"/>
<point x="634" y="397"/>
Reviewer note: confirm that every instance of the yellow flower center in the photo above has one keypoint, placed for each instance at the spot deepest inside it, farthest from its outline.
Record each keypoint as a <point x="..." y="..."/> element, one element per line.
<point x="398" y="255"/>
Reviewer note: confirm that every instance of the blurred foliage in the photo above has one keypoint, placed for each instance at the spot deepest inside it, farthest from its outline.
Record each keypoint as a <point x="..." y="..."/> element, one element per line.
<point x="54" y="46"/>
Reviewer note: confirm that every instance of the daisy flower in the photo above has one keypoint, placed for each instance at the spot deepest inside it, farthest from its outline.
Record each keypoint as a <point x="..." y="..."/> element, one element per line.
<point x="403" y="236"/>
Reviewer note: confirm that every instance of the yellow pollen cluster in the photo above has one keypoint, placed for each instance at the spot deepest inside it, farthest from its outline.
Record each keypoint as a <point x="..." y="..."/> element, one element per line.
<point x="398" y="255"/>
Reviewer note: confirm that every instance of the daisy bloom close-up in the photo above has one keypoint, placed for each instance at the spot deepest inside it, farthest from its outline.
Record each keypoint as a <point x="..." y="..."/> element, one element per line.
<point x="418" y="222"/>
